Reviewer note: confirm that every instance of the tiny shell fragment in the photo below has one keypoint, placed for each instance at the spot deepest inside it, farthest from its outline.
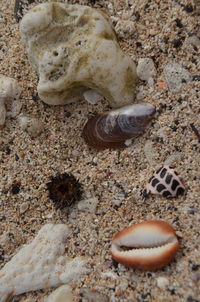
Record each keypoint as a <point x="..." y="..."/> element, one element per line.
<point x="9" y="98"/>
<point x="147" y="246"/>
<point x="165" y="182"/>
<point x="61" y="294"/>
<point x="33" y="126"/>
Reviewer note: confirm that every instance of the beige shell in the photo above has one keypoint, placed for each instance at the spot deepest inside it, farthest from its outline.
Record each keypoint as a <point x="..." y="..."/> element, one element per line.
<point x="147" y="246"/>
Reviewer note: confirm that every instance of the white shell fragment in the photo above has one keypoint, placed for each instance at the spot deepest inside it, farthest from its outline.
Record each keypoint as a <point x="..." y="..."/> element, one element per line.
<point x="146" y="69"/>
<point x="74" y="47"/>
<point x="88" y="205"/>
<point x="162" y="282"/>
<point x="92" y="96"/>
<point x="41" y="264"/>
<point x="9" y="98"/>
<point x="125" y="27"/>
<point x="61" y="294"/>
<point x="147" y="246"/>
<point x="33" y="126"/>
<point x="175" y="76"/>
<point x="166" y="182"/>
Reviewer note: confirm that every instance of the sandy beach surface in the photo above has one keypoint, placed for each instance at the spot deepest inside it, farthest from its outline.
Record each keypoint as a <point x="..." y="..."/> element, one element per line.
<point x="162" y="31"/>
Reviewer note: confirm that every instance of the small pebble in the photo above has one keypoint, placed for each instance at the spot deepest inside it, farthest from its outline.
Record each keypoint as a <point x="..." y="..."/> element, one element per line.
<point x="193" y="40"/>
<point x="10" y="104"/>
<point x="172" y="158"/>
<point x="175" y="75"/>
<point x="116" y="202"/>
<point x="61" y="294"/>
<point x="125" y="27"/>
<point x="146" y="69"/>
<point x="128" y="142"/>
<point x="15" y="189"/>
<point x="23" y="207"/>
<point x="92" y="295"/>
<point x="88" y="205"/>
<point x="92" y="96"/>
<point x="195" y="276"/>
<point x="162" y="282"/>
<point x="33" y="126"/>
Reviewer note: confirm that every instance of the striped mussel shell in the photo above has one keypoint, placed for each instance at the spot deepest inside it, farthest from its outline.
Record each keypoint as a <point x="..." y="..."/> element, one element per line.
<point x="112" y="129"/>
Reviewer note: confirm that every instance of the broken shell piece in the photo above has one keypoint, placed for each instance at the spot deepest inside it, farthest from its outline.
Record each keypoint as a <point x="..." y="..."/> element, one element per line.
<point x="147" y="246"/>
<point x="146" y="69"/>
<point x="165" y="182"/>
<point x="61" y="294"/>
<point x="73" y="47"/>
<point x="92" y="96"/>
<point x="9" y="98"/>
<point x="40" y="264"/>
<point x="33" y="126"/>
<point x="112" y="129"/>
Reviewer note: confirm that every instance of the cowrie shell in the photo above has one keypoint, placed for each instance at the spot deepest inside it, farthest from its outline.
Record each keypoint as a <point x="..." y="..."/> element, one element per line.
<point x="147" y="246"/>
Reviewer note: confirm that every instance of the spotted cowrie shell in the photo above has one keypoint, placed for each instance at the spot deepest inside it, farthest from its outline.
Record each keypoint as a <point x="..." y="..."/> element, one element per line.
<point x="147" y="246"/>
<point x="165" y="182"/>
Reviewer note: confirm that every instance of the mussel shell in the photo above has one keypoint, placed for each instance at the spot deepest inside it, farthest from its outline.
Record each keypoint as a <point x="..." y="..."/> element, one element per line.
<point x="112" y="129"/>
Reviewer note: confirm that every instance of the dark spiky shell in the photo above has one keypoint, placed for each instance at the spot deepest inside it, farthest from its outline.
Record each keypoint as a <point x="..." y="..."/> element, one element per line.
<point x="64" y="190"/>
<point x="112" y="129"/>
<point x="166" y="182"/>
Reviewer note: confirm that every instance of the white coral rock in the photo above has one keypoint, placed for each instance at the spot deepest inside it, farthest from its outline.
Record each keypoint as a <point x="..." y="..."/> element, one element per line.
<point x="73" y="47"/>
<point x="41" y="264"/>
<point x="9" y="98"/>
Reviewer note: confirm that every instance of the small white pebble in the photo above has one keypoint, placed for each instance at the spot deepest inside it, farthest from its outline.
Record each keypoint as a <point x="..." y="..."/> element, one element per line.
<point x="175" y="75"/>
<point x="33" y="126"/>
<point x="162" y="282"/>
<point x="193" y="40"/>
<point x="61" y="294"/>
<point x="116" y="202"/>
<point x="88" y="205"/>
<point x="146" y="69"/>
<point x="124" y="27"/>
<point x="128" y="142"/>
<point x="9" y="98"/>
<point x="23" y="207"/>
<point x="92" y="96"/>
<point x="150" y="81"/>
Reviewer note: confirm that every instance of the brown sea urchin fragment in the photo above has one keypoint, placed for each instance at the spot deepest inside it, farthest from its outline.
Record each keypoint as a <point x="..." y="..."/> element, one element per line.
<point x="64" y="189"/>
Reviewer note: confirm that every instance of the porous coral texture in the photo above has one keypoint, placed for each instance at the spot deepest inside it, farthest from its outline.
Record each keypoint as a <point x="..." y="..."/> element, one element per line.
<point x="73" y="47"/>
<point x="41" y="264"/>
